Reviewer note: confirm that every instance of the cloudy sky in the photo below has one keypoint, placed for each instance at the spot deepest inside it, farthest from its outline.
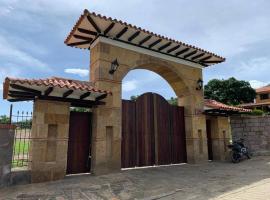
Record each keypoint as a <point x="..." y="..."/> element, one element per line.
<point x="32" y="34"/>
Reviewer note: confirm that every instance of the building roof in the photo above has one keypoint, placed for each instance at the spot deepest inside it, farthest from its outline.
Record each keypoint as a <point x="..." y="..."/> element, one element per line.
<point x="215" y="105"/>
<point x="53" y="88"/>
<point x="90" y="26"/>
<point x="263" y="89"/>
<point x="250" y="105"/>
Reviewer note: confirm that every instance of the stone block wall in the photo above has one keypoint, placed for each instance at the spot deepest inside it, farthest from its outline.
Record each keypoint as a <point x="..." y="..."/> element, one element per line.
<point x="6" y="149"/>
<point x="255" y="130"/>
<point x="48" y="150"/>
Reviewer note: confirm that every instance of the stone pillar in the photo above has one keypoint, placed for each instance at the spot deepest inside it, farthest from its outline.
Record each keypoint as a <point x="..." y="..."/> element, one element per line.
<point x="107" y="124"/>
<point x="221" y="136"/>
<point x="195" y="126"/>
<point x="48" y="150"/>
<point x="7" y="133"/>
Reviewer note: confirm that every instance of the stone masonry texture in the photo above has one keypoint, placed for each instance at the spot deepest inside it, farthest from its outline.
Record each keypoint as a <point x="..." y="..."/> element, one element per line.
<point x="255" y="130"/>
<point x="6" y="149"/>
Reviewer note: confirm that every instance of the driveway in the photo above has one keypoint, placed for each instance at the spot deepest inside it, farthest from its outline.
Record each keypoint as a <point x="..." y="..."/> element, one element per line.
<point x="249" y="179"/>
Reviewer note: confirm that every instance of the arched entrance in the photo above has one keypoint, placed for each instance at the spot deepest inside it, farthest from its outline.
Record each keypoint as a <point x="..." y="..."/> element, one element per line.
<point x="107" y="119"/>
<point x="153" y="132"/>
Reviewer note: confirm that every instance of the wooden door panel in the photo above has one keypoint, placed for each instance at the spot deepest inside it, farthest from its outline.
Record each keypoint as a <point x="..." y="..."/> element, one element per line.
<point x="79" y="143"/>
<point x="153" y="132"/>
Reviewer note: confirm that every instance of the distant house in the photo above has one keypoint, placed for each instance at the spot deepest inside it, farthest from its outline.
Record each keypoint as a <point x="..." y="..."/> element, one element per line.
<point x="262" y="100"/>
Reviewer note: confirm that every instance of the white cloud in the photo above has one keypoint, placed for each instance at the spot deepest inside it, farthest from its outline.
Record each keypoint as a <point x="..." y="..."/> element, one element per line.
<point x="11" y="55"/>
<point x="257" y="84"/>
<point x="77" y="71"/>
<point x="129" y="85"/>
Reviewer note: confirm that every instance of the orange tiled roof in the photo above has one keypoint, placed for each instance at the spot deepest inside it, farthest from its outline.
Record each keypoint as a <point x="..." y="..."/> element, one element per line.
<point x="263" y="89"/>
<point x="217" y="105"/>
<point x="58" y="82"/>
<point x="117" y="24"/>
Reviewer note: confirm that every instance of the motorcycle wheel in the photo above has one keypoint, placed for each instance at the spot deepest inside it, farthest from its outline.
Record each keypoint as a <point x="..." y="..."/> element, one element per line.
<point x="235" y="158"/>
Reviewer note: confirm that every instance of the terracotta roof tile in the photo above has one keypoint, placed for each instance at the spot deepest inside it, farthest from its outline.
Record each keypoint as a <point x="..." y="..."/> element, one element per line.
<point x="217" y="105"/>
<point x="263" y="89"/>
<point x="86" y="13"/>
<point x="58" y="82"/>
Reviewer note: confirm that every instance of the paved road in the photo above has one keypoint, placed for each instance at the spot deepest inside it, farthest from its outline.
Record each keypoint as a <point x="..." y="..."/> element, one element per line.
<point x="249" y="179"/>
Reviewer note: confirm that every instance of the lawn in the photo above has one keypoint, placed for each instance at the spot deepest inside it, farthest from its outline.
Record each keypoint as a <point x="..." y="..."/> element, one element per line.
<point x="21" y="146"/>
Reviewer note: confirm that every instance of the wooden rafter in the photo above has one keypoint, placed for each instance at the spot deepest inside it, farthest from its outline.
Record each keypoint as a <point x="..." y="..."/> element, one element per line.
<point x="82" y="30"/>
<point x="19" y="87"/>
<point x="18" y="93"/>
<point x="197" y="56"/>
<point x="67" y="93"/>
<point x="164" y="46"/>
<point x="83" y="96"/>
<point x="107" y="30"/>
<point x="83" y="38"/>
<point x="133" y="36"/>
<point x="122" y="32"/>
<point x="181" y="51"/>
<point x="101" y="97"/>
<point x="212" y="61"/>
<point x="155" y="43"/>
<point x="48" y="91"/>
<point x="92" y="22"/>
<point x="206" y="58"/>
<point x="173" y="49"/>
<point x="145" y="40"/>
<point x="79" y="43"/>
<point x="190" y="54"/>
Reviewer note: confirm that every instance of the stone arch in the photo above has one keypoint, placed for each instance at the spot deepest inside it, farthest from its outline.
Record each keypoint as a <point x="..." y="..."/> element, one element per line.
<point x="167" y="72"/>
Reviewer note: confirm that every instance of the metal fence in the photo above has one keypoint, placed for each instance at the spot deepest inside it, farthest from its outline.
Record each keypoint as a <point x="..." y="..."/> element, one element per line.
<point x="22" y="139"/>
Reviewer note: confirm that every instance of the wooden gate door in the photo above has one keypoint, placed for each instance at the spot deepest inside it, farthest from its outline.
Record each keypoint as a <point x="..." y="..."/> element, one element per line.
<point x="79" y="143"/>
<point x="153" y="132"/>
<point x="209" y="139"/>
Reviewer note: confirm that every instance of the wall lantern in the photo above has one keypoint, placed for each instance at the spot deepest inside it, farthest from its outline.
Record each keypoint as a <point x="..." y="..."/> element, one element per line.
<point x="199" y="84"/>
<point x="114" y="66"/>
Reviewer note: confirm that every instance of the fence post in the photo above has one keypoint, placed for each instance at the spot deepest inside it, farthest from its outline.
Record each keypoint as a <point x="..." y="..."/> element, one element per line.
<point x="7" y="132"/>
<point x="10" y="113"/>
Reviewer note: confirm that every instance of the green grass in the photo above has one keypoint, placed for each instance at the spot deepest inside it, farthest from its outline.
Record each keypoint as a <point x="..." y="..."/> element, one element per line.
<point x="21" y="147"/>
<point x="19" y="163"/>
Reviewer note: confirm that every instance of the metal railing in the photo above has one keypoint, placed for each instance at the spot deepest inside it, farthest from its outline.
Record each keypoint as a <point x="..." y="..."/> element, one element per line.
<point x="22" y="139"/>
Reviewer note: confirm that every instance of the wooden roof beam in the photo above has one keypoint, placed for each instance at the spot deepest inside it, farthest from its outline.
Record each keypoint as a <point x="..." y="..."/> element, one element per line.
<point x="83" y="96"/>
<point x="182" y="51"/>
<point x="48" y="91"/>
<point x="107" y="30"/>
<point x="122" y="32"/>
<point x="190" y="54"/>
<point x="101" y="97"/>
<point x="79" y="43"/>
<point x="92" y="22"/>
<point x="67" y="93"/>
<point x="133" y="36"/>
<point x="173" y="49"/>
<point x="30" y="90"/>
<point x="83" y="38"/>
<point x="81" y="30"/>
<point x="164" y="46"/>
<point x="197" y="56"/>
<point x="154" y="43"/>
<point x="145" y="40"/>
<point x="206" y="58"/>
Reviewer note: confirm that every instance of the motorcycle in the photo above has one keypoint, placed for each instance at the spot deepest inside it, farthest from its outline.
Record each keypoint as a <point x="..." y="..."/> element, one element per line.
<point x="239" y="151"/>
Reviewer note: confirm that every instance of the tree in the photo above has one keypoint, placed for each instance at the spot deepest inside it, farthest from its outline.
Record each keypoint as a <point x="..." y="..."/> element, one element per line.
<point x="134" y="97"/>
<point x="173" y="101"/>
<point x="230" y="91"/>
<point x="4" y="119"/>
